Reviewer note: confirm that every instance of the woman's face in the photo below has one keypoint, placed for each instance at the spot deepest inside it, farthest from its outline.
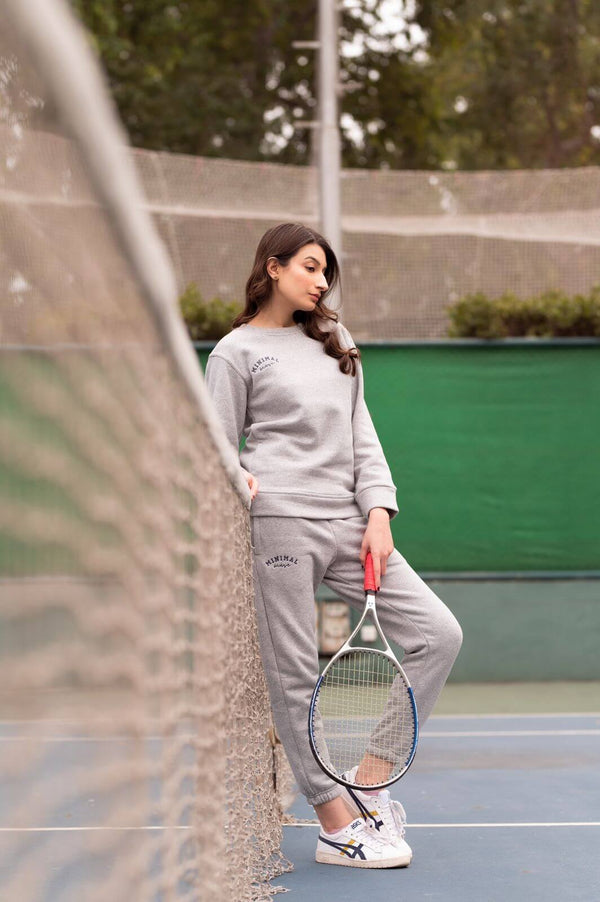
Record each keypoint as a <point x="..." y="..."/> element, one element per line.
<point x="301" y="283"/>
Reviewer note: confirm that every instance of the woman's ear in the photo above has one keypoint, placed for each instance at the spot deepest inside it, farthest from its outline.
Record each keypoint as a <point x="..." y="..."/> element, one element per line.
<point x="273" y="267"/>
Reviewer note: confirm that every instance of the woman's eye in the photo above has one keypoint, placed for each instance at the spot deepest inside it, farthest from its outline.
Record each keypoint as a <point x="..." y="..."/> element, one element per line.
<point x="310" y="268"/>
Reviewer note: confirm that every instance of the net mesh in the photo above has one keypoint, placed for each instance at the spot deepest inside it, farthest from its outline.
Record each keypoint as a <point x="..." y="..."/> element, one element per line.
<point x="136" y="748"/>
<point x="413" y="242"/>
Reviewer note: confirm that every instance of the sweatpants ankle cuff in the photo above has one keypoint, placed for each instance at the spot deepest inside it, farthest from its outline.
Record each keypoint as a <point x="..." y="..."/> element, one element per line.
<point x="325" y="796"/>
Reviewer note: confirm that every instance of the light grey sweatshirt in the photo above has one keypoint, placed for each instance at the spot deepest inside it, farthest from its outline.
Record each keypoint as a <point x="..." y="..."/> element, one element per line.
<point x="310" y="440"/>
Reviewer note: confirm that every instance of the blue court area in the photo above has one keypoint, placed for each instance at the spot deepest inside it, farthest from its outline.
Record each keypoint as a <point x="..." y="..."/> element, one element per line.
<point x="500" y="809"/>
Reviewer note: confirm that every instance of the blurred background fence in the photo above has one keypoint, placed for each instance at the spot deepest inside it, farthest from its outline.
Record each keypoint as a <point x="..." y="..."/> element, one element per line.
<point x="413" y="242"/>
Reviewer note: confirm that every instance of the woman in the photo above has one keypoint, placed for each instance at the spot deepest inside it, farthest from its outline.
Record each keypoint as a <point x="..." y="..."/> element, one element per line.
<point x="288" y="378"/>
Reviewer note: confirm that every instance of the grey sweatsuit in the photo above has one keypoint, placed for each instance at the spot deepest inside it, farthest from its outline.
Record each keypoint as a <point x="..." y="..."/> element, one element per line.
<point x="312" y="445"/>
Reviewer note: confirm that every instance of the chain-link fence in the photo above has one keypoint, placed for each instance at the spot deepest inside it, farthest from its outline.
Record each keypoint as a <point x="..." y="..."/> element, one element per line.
<point x="413" y="242"/>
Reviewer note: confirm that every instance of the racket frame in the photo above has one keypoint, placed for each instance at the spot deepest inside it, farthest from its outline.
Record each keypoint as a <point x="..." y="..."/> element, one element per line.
<point x="370" y="610"/>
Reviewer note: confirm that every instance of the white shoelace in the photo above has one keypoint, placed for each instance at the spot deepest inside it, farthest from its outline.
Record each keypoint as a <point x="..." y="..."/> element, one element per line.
<point x="369" y="836"/>
<point x="363" y="834"/>
<point x="399" y="816"/>
<point x="391" y="817"/>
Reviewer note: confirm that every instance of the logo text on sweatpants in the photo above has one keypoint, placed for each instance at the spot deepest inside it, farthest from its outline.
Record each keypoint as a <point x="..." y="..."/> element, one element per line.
<point x="281" y="560"/>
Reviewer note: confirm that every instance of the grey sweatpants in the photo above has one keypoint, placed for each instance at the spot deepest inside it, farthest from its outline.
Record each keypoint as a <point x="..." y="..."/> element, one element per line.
<point x="292" y="557"/>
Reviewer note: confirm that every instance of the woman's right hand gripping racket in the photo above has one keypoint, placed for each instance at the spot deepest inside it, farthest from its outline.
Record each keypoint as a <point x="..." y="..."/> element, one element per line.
<point x="362" y="724"/>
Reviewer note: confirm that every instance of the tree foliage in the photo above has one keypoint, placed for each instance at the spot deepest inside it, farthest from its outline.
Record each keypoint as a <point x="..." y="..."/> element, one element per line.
<point x="465" y="83"/>
<point x="222" y="79"/>
<point x="520" y="80"/>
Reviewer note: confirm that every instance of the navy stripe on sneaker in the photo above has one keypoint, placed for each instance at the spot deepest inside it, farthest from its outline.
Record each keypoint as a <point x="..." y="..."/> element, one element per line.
<point x="347" y="848"/>
<point x="364" y="811"/>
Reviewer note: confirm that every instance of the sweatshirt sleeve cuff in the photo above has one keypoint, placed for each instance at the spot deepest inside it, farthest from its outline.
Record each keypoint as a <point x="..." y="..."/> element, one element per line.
<point x="377" y="496"/>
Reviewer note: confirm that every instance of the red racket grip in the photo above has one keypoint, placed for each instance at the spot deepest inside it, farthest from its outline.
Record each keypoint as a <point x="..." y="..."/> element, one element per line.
<point x="370" y="585"/>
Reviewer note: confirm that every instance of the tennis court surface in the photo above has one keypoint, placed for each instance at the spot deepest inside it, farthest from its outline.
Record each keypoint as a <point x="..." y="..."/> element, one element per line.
<point x="501" y="808"/>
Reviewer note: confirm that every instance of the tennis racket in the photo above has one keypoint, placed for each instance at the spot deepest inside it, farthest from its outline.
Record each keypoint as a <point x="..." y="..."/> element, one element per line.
<point x="362" y="724"/>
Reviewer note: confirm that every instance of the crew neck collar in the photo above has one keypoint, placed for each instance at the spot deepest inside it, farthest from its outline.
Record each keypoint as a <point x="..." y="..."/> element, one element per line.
<point x="276" y="330"/>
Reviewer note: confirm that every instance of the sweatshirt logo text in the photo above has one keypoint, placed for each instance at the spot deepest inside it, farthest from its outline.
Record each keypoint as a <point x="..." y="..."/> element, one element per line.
<point x="281" y="560"/>
<point x="263" y="363"/>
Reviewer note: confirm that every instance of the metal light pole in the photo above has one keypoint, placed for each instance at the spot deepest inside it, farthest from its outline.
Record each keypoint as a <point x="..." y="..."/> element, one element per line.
<point x="327" y="129"/>
<point x="328" y="132"/>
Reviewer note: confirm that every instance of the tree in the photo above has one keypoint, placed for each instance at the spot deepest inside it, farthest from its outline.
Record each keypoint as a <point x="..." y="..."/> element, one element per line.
<point x="222" y="79"/>
<point x="520" y="80"/>
<point x="186" y="76"/>
<point x="457" y="83"/>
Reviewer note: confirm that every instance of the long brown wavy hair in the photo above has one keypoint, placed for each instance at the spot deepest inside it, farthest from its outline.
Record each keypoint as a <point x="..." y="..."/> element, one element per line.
<point x="283" y="242"/>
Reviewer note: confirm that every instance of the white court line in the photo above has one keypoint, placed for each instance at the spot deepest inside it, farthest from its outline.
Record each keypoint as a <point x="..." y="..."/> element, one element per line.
<point x="513" y="824"/>
<point x="83" y="829"/>
<point x="468" y="733"/>
<point x="133" y="738"/>
<point x="462" y="734"/>
<point x="486" y="825"/>
<point x="426" y="734"/>
<point x="408" y="827"/>
<point x="515" y="716"/>
<point x="434" y="717"/>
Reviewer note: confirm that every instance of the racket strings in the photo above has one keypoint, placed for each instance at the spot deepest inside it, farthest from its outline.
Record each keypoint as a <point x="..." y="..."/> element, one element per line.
<point x="364" y="715"/>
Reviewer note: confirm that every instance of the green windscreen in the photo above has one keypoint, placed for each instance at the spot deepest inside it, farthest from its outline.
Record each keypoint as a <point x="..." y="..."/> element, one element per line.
<point x="495" y="451"/>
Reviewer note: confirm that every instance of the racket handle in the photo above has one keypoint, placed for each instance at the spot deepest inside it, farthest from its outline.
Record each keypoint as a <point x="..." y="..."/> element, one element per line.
<point x="370" y="585"/>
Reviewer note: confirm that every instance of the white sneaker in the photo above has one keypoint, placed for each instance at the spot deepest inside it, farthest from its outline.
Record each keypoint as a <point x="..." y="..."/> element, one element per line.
<point x="359" y="846"/>
<point x="382" y="812"/>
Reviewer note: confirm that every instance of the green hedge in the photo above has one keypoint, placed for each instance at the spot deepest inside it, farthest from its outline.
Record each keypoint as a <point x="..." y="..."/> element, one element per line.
<point x="549" y="315"/>
<point x="206" y="319"/>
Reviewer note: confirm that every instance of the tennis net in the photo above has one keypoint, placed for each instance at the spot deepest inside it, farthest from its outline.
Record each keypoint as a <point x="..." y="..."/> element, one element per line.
<point x="136" y="751"/>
